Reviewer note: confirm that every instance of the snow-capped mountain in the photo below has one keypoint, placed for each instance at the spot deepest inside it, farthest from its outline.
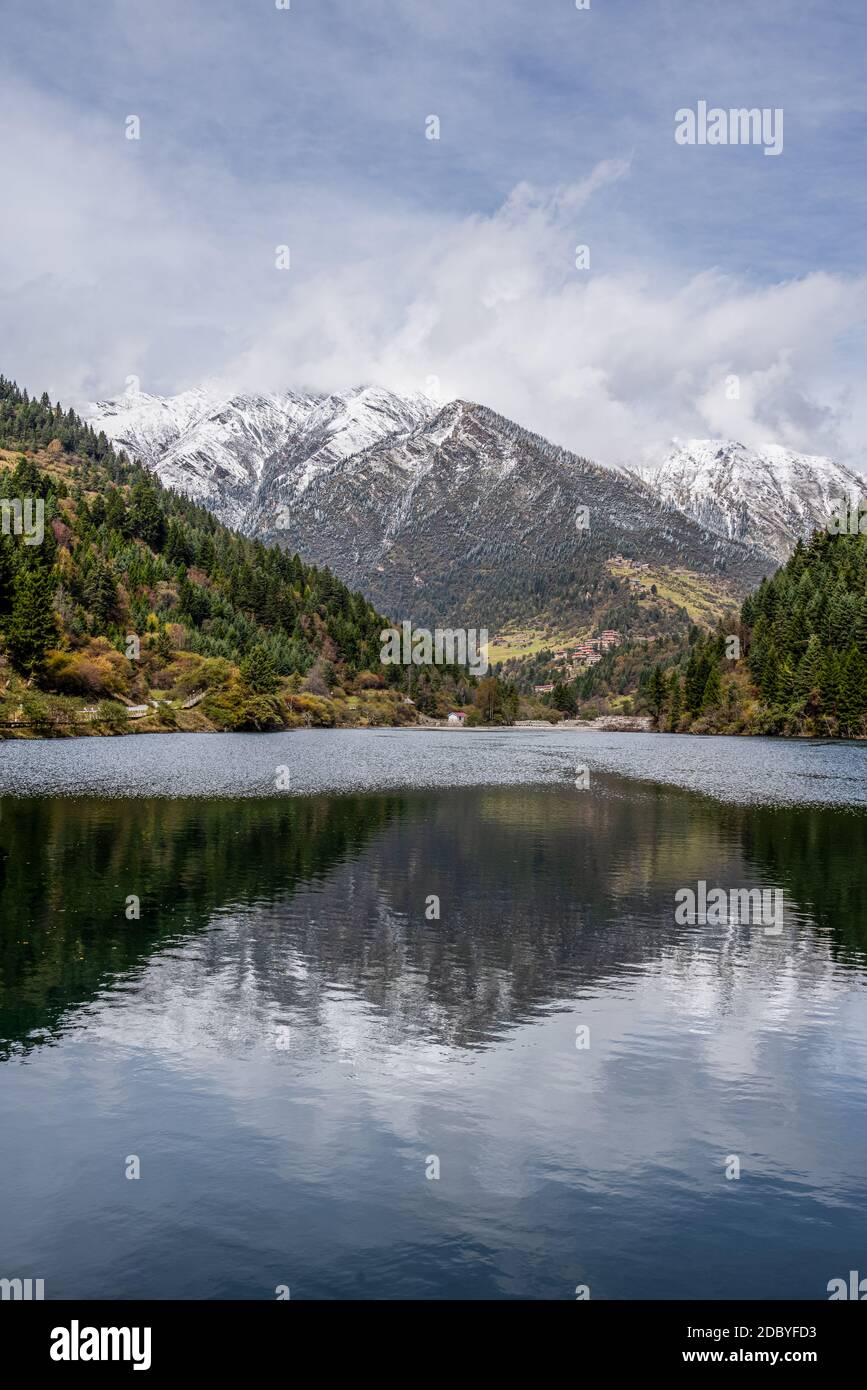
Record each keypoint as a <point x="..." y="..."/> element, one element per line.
<point x="766" y="498"/>
<point x="439" y="513"/>
<point x="218" y="449"/>
<point x="468" y="518"/>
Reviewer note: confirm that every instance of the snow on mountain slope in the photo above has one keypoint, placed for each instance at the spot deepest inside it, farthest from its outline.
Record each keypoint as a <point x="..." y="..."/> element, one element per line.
<point x="336" y="428"/>
<point x="223" y="450"/>
<point x="435" y="512"/>
<point x="766" y="498"/>
<point x="469" y="518"/>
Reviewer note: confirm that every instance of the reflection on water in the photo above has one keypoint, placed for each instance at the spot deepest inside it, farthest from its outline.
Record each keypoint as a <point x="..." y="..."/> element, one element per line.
<point x="285" y="1037"/>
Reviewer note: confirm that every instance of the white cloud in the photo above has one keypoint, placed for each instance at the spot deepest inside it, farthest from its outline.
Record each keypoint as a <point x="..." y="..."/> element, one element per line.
<point x="117" y="262"/>
<point x="610" y="364"/>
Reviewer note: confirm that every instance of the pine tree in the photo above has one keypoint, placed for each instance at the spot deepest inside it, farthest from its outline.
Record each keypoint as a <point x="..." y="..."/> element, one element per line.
<point x="258" y="672"/>
<point x="163" y="645"/>
<point x="695" y="680"/>
<point x="861" y="626"/>
<point x="851" y="700"/>
<point x="7" y="576"/>
<point x="785" y="681"/>
<point x="656" y="692"/>
<point x="148" y="522"/>
<point x="675" y="699"/>
<point x="116" y="515"/>
<point x="831" y="678"/>
<point x="100" y="595"/>
<point x="770" y="675"/>
<point x="31" y="629"/>
<point x="796" y="633"/>
<point x="27" y="481"/>
<point x="840" y="618"/>
<point x="712" y="693"/>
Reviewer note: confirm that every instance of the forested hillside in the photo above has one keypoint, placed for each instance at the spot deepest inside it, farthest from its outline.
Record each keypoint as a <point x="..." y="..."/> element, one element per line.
<point x="807" y="637"/>
<point x="136" y="596"/>
<point x="795" y="664"/>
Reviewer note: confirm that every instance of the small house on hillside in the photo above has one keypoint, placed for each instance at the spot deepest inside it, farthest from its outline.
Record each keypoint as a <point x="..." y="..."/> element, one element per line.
<point x="456" y="716"/>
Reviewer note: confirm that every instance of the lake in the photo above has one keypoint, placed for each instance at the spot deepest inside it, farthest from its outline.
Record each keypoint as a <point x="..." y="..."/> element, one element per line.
<point x="408" y="1014"/>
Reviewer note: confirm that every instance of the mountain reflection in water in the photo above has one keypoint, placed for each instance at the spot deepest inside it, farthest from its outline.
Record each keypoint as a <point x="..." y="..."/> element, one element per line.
<point x="285" y="1036"/>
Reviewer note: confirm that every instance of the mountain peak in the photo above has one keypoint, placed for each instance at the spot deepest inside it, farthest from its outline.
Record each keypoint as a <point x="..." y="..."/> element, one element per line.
<point x="765" y="497"/>
<point x="401" y="494"/>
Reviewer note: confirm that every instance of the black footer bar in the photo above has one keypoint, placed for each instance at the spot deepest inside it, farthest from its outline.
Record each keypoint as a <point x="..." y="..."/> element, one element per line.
<point x="158" y="1338"/>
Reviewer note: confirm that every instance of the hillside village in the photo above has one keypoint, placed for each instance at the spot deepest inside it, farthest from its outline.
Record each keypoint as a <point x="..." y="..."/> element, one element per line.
<point x="578" y="660"/>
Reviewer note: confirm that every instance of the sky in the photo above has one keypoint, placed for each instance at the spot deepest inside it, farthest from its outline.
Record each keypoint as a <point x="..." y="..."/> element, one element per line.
<point x="723" y="292"/>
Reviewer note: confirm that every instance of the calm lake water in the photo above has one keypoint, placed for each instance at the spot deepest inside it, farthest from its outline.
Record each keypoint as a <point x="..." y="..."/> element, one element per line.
<point x="290" y="1043"/>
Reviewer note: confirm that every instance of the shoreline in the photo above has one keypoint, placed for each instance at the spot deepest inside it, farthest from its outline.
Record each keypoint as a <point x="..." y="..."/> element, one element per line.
<point x="197" y="724"/>
<point x="604" y="724"/>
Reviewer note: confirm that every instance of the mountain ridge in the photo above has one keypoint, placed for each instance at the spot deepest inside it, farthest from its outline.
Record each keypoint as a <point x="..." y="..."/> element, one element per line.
<point x="444" y="512"/>
<point x="216" y="448"/>
<point x="772" y="496"/>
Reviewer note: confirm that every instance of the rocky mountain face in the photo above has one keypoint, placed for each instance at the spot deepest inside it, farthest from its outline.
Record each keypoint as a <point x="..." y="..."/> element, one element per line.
<point x="441" y="514"/>
<point x="228" y="453"/>
<point x="469" y="519"/>
<point x="764" y="498"/>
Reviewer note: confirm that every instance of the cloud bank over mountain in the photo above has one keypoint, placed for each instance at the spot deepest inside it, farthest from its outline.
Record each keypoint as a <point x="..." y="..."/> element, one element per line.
<point x="443" y="266"/>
